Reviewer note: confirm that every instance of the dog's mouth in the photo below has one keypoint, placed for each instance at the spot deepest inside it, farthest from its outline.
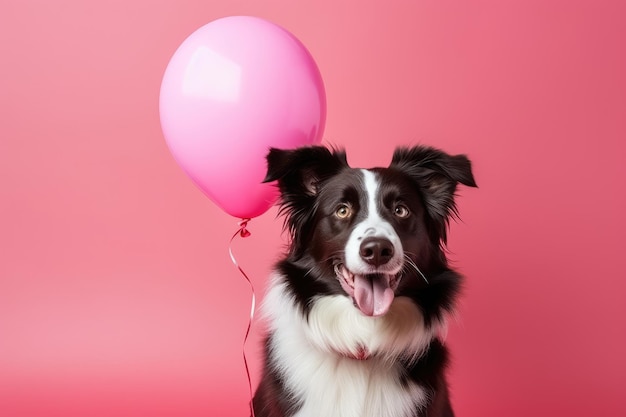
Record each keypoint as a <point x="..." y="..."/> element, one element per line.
<point x="372" y="293"/>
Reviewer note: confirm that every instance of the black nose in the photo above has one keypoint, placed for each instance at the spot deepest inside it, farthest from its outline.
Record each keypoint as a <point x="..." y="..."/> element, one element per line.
<point x="376" y="251"/>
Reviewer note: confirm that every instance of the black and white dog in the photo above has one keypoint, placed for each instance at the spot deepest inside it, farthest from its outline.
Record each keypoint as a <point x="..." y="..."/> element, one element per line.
<point x="356" y="308"/>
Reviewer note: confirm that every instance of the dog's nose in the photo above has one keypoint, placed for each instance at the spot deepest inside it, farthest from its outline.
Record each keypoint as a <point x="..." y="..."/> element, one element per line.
<point x="376" y="251"/>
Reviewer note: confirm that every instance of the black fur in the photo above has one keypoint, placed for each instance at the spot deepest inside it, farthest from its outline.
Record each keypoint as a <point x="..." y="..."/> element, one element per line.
<point x="311" y="181"/>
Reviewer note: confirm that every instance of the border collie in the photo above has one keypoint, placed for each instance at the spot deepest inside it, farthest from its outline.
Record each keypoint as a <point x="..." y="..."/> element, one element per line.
<point x="357" y="307"/>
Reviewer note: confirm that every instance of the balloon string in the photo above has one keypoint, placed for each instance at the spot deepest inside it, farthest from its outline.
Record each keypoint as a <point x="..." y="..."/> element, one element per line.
<point x="243" y="232"/>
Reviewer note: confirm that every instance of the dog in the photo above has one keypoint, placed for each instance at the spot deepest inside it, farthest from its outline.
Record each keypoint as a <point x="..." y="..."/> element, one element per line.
<point x="357" y="307"/>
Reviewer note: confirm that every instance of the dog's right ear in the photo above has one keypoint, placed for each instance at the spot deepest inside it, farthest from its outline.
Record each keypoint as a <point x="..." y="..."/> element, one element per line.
<point x="299" y="171"/>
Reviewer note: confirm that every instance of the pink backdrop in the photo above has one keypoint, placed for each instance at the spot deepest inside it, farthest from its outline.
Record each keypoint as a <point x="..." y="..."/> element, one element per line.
<point x="117" y="296"/>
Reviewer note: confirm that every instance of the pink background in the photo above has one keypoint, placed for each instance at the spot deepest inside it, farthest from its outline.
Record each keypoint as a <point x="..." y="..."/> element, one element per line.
<point x="117" y="296"/>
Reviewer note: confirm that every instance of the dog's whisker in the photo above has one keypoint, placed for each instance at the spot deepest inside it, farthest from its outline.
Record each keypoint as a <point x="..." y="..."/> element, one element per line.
<point x="310" y="270"/>
<point x="410" y="262"/>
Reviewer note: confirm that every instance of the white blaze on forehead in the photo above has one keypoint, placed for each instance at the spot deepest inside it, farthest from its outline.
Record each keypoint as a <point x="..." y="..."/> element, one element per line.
<point x="371" y="188"/>
<point x="373" y="225"/>
<point x="373" y="219"/>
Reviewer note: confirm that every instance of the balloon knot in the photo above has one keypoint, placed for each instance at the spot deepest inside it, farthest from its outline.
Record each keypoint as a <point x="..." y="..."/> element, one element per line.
<point x="243" y="231"/>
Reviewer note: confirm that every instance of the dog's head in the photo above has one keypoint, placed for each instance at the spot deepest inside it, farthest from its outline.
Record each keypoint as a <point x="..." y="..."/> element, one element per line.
<point x="368" y="232"/>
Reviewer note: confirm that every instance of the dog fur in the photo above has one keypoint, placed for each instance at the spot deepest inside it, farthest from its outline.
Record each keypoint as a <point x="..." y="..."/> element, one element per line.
<point x="357" y="306"/>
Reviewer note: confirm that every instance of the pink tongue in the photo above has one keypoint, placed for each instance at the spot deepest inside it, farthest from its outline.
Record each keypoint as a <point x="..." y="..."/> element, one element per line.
<point x="372" y="294"/>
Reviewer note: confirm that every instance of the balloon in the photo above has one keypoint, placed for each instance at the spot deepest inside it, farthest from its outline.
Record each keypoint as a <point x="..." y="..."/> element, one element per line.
<point x="234" y="88"/>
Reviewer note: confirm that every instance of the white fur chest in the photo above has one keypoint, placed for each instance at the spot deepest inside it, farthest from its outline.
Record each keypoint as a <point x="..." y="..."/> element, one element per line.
<point x="331" y="384"/>
<point x="351" y="388"/>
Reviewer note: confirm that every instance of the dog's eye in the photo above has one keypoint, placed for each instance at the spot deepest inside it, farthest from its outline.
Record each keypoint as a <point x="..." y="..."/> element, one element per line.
<point x="343" y="211"/>
<point x="401" y="211"/>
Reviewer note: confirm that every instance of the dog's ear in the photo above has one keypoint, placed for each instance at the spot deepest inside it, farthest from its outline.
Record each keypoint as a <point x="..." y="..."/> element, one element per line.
<point x="299" y="171"/>
<point x="437" y="175"/>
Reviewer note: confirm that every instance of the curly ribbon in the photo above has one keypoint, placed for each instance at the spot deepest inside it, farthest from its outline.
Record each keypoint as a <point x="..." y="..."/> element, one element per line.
<point x="243" y="232"/>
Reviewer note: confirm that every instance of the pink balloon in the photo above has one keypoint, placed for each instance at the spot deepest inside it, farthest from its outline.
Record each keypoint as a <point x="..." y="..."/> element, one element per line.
<point x="234" y="88"/>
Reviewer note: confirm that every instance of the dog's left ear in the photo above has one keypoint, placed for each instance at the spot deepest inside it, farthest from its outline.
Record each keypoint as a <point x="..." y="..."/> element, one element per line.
<point x="437" y="175"/>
